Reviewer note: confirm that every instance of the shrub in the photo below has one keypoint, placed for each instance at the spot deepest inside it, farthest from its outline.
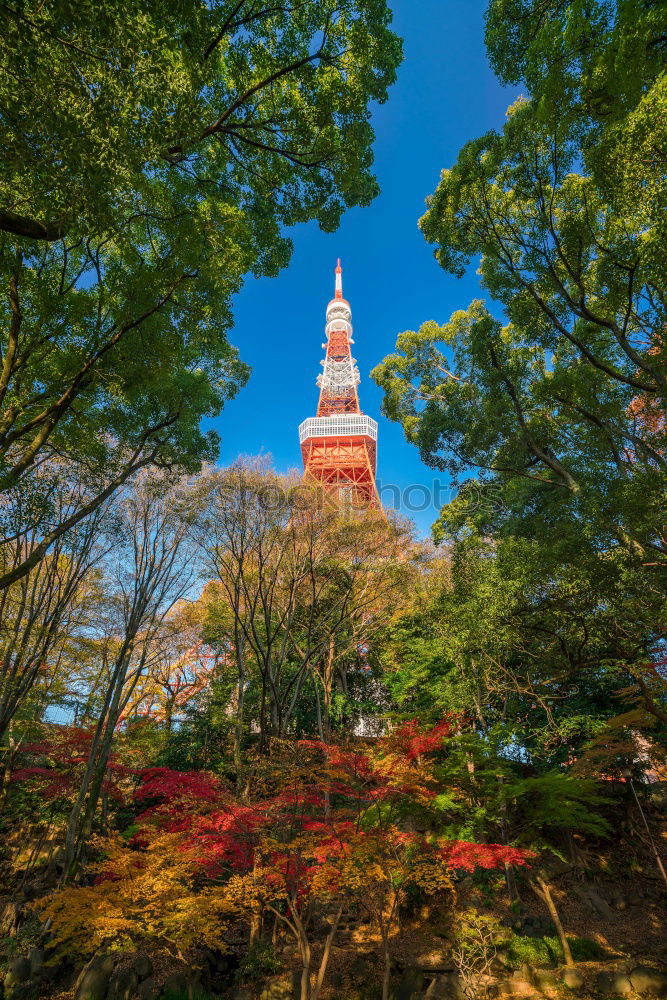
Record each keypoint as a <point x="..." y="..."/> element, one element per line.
<point x="548" y="951"/>
<point x="260" y="960"/>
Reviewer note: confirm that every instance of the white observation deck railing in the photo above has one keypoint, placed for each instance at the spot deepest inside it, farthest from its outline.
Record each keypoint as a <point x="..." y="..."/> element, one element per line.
<point x="338" y="425"/>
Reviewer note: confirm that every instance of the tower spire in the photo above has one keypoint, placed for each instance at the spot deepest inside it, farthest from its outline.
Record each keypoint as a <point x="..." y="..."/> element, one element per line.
<point x="339" y="280"/>
<point x="339" y="445"/>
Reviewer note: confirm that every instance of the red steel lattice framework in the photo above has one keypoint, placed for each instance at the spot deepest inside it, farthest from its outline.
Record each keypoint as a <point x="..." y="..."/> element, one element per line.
<point x="339" y="445"/>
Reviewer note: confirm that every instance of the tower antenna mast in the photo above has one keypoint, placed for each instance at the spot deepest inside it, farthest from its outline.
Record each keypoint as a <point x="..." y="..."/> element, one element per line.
<point x="339" y="445"/>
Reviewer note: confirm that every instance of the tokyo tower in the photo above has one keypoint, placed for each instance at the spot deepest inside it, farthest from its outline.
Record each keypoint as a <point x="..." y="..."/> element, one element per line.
<point x="339" y="445"/>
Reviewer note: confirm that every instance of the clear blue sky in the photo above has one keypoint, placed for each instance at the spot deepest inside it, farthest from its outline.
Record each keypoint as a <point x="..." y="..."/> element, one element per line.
<point x="445" y="94"/>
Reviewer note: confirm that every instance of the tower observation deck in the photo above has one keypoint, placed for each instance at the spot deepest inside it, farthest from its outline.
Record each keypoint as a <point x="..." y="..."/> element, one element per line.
<point x="339" y="445"/>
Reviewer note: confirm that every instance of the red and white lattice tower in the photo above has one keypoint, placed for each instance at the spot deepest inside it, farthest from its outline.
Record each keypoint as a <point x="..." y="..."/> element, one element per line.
<point x="339" y="445"/>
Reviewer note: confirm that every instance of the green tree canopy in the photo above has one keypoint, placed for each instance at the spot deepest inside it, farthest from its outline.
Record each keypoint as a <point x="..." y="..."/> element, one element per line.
<point x="564" y="397"/>
<point x="553" y="394"/>
<point x="153" y="156"/>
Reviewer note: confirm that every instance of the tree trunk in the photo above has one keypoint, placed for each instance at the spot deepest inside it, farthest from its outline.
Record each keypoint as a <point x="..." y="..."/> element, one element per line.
<point x="386" y="979"/>
<point x="510" y="882"/>
<point x="169" y="713"/>
<point x="305" y="974"/>
<point x="255" y="927"/>
<point x="240" y="697"/>
<point x="255" y="918"/>
<point x="298" y="928"/>
<point x="83" y="812"/>
<point x="8" y="765"/>
<point x="326" y="954"/>
<point x="510" y="878"/>
<point x="320" y="724"/>
<point x="661" y="867"/>
<point x="328" y="685"/>
<point x="542" y="891"/>
<point x="304" y="950"/>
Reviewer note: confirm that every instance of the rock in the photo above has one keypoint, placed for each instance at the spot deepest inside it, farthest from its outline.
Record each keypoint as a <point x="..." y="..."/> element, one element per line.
<point x="517" y="986"/>
<point x="545" y="981"/>
<point x="11" y="915"/>
<point x="179" y="983"/>
<point x="559" y="867"/>
<point x="445" y="987"/>
<point x="17" y="985"/>
<point x="51" y="966"/>
<point x="36" y="959"/>
<point x="614" y="984"/>
<point x="94" y="978"/>
<point x="22" y="991"/>
<point x="123" y="984"/>
<point x="282" y="987"/>
<point x="18" y="971"/>
<point x="589" y="895"/>
<point x="648" y="981"/>
<point x="409" y="985"/>
<point x="573" y="979"/>
<point x="143" y="967"/>
<point x="148" y="990"/>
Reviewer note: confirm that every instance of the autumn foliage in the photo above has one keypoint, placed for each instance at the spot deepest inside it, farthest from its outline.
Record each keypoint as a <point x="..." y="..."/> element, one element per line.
<point x="328" y="827"/>
<point x="54" y="765"/>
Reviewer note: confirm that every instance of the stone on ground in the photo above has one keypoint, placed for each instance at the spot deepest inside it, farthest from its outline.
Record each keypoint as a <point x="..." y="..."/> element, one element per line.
<point x="573" y="979"/>
<point x="650" y="982"/>
<point x="93" y="982"/>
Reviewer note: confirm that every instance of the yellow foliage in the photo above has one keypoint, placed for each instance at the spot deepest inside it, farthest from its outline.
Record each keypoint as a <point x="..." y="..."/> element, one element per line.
<point x="142" y="895"/>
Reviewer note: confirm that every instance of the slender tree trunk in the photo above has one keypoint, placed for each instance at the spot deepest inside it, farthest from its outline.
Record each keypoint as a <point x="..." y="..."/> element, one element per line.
<point x="304" y="948"/>
<point x="320" y="724"/>
<point x="658" y="859"/>
<point x="276" y="722"/>
<point x="255" y="927"/>
<point x="326" y="954"/>
<point x="255" y="919"/>
<point x="328" y="685"/>
<point x="169" y="714"/>
<point x="298" y="928"/>
<point x="510" y="882"/>
<point x="240" y="698"/>
<point x="8" y="765"/>
<point x="262" y="716"/>
<point x="542" y="891"/>
<point x="386" y="978"/>
<point x="34" y="856"/>
<point x="510" y="878"/>
<point x="386" y="922"/>
<point x="83" y="812"/>
<point x="304" y="952"/>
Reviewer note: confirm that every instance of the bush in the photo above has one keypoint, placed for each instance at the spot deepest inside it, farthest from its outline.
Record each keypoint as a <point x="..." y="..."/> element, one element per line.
<point x="260" y="960"/>
<point x="586" y="950"/>
<point x="548" y="951"/>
